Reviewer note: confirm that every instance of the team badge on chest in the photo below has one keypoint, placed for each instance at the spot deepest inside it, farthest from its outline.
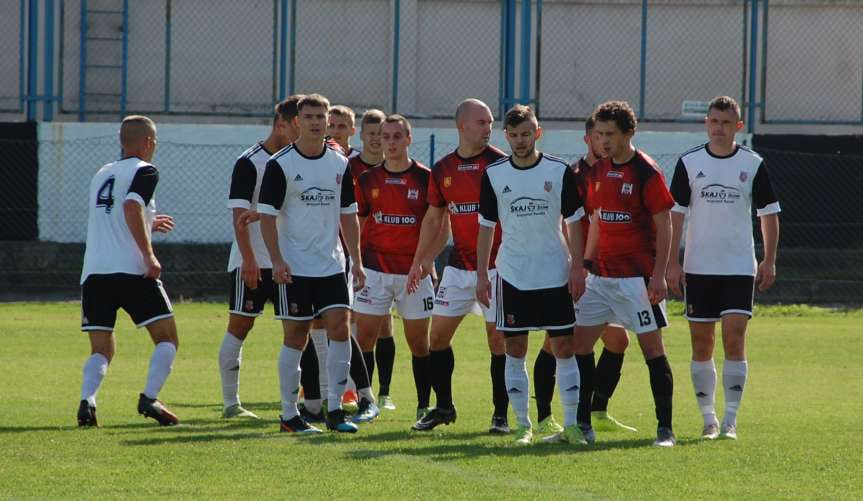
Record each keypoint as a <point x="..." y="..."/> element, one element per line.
<point x="447" y="182"/>
<point x="376" y="193"/>
<point x="338" y="179"/>
<point x="547" y="186"/>
<point x="626" y="189"/>
<point x="413" y="194"/>
<point x="743" y="176"/>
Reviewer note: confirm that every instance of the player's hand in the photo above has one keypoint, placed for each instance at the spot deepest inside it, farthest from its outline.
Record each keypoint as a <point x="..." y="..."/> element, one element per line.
<point x="483" y="290"/>
<point x="248" y="217"/>
<point x="282" y="273"/>
<point x="676" y="278"/>
<point x="250" y="273"/>
<point x="154" y="267"/>
<point x="766" y="275"/>
<point x="576" y="282"/>
<point x="415" y="276"/>
<point x="163" y="223"/>
<point x="359" y="274"/>
<point x="657" y="289"/>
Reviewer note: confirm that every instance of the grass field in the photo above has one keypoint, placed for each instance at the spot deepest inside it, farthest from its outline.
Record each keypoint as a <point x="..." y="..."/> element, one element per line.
<point x="800" y="430"/>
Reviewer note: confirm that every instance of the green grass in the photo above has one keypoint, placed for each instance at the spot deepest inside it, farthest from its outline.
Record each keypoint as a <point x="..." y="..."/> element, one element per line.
<point x="799" y="425"/>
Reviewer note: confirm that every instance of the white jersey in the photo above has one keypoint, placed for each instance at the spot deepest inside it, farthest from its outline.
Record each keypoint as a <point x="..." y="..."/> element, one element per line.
<point x="308" y="195"/>
<point x="110" y="245"/>
<point x="529" y="203"/>
<point x="718" y="194"/>
<point x="245" y="189"/>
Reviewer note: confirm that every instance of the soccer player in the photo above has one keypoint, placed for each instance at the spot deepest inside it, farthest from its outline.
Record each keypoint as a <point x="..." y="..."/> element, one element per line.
<point x="392" y="202"/>
<point x="306" y="198"/>
<point x="453" y="198"/>
<point x="716" y="185"/>
<point x="121" y="271"/>
<point x="626" y="283"/>
<point x="385" y="348"/>
<point x="249" y="264"/>
<point x="539" y="270"/>
<point x="341" y="128"/>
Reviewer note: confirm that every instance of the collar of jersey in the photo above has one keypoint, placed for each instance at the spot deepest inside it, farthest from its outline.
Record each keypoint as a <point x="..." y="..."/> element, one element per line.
<point x="300" y="153"/>
<point x="400" y="173"/>
<point x="721" y="157"/>
<point x="538" y="160"/>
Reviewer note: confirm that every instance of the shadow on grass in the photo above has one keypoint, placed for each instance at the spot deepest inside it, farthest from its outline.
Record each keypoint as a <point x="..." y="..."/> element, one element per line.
<point x="252" y="406"/>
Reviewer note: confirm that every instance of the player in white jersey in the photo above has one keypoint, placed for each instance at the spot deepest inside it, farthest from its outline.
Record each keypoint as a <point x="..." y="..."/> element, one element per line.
<point x="540" y="271"/>
<point x="717" y="185"/>
<point x="249" y="264"/>
<point x="121" y="271"/>
<point x="306" y="198"/>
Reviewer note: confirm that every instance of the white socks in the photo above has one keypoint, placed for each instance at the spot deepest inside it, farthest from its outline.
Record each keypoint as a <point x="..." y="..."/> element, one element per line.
<point x="161" y="364"/>
<point x="569" y="385"/>
<point x="733" y="379"/>
<point x="704" y="383"/>
<point x="517" y="387"/>
<point x="289" y="380"/>
<point x="230" y="357"/>
<point x="95" y="369"/>
<point x="319" y="338"/>
<point x="338" y="367"/>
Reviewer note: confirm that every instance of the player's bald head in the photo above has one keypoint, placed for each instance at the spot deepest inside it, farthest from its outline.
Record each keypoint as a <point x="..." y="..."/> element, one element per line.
<point x="134" y="129"/>
<point x="468" y="107"/>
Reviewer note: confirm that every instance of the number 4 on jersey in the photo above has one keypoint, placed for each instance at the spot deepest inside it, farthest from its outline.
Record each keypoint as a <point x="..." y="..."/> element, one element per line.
<point x="105" y="195"/>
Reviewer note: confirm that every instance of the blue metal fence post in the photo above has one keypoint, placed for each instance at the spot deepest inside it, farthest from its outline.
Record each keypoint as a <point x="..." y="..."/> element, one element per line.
<point x="501" y="87"/>
<point x="753" y="67"/>
<point x="509" y="56"/>
<point x="22" y="60"/>
<point x="125" y="64"/>
<point x="32" y="58"/>
<point x="642" y="81"/>
<point x="167" y="92"/>
<point x="283" y="42"/>
<point x="82" y="64"/>
<point x="293" y="50"/>
<point x="431" y="150"/>
<point x="524" y="78"/>
<point x="396" y="48"/>
<point x="536" y="76"/>
<point x="48" y="62"/>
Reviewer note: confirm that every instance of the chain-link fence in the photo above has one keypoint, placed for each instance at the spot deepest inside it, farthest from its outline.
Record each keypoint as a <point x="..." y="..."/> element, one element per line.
<point x="12" y="35"/>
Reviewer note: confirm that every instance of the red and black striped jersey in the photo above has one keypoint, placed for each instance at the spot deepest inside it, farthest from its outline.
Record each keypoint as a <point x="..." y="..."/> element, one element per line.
<point x="455" y="184"/>
<point x="395" y="204"/>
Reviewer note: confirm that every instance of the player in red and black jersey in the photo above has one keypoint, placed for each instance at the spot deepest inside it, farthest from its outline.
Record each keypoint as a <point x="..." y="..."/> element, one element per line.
<point x="392" y="203"/>
<point x="340" y="129"/>
<point x="630" y="203"/>
<point x="454" y="200"/>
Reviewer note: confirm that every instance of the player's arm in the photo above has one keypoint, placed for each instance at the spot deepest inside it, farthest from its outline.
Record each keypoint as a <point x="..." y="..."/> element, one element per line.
<point x="767" y="209"/>
<point x="488" y="218"/>
<point x="681" y="191"/>
<point x="137" y="198"/>
<point x="590" y="250"/>
<point x="240" y="197"/>
<point x="657" y="289"/>
<point x="270" y="200"/>
<point x="572" y="210"/>
<point x="428" y="246"/>
<point x="350" y="226"/>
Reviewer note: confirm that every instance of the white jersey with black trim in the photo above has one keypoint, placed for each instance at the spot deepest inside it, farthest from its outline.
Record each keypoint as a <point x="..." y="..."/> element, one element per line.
<point x="110" y="246"/>
<point x="718" y="193"/>
<point x="243" y="194"/>
<point x="530" y="202"/>
<point x="308" y="196"/>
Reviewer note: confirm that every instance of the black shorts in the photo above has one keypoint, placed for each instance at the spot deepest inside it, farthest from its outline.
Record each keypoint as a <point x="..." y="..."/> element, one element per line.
<point x="144" y="299"/>
<point x="250" y="302"/>
<point x="307" y="297"/>
<point x="709" y="297"/>
<point x="533" y="310"/>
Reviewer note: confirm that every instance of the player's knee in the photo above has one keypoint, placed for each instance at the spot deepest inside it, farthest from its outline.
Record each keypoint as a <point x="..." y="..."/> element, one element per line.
<point x="496" y="343"/>
<point x="734" y="345"/>
<point x="164" y="331"/>
<point x="615" y="339"/>
<point x="440" y="339"/>
<point x="651" y="345"/>
<point x="516" y="346"/>
<point x="239" y="326"/>
<point x="562" y="347"/>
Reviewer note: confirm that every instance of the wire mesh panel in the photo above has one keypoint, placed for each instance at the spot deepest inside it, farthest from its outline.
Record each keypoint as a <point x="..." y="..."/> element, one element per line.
<point x="11" y="54"/>
<point x="814" y="61"/>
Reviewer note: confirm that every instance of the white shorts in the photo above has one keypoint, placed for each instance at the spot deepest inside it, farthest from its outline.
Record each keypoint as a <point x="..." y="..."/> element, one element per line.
<point x="456" y="294"/>
<point x="384" y="289"/>
<point x="619" y="300"/>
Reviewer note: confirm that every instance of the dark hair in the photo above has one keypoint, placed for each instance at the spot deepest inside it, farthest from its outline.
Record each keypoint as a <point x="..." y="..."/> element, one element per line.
<point x="619" y="112"/>
<point x="589" y="124"/>
<point x="372" y="117"/>
<point x="341" y="110"/>
<point x="518" y="114"/>
<point x="287" y="109"/>
<point x="313" y="100"/>
<point x="396" y="118"/>
<point x="724" y="103"/>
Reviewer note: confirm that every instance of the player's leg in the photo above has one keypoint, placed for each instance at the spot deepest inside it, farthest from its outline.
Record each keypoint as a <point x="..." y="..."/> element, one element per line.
<point x="518" y="384"/>
<point x="592" y="313"/>
<point x="371" y="307"/>
<point x="367" y="409"/>
<point x="569" y="385"/>
<point x="497" y="368"/>
<point x="98" y="316"/>
<point x="336" y="321"/>
<point x="702" y="311"/>
<point x="295" y="334"/>
<point x="735" y="309"/>
<point x="416" y="310"/>
<point x="385" y="357"/>
<point x="441" y="367"/>
<point x="544" y="371"/>
<point x="313" y="365"/>
<point x="608" y="368"/>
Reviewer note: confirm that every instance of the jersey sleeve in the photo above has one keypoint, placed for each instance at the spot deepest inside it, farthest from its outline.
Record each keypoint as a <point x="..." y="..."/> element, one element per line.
<point x="349" y="201"/>
<point x="274" y="186"/>
<point x="242" y="184"/>
<point x="143" y="185"/>
<point x="655" y="194"/>
<point x="681" y="191"/>
<point x="487" y="203"/>
<point x="435" y="197"/>
<point x="359" y="194"/>
<point x="571" y="204"/>
<point x="763" y="197"/>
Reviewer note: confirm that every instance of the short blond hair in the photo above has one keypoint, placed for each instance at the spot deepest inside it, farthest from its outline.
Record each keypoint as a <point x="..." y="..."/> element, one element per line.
<point x="134" y="128"/>
<point x="341" y="110"/>
<point x="372" y="117"/>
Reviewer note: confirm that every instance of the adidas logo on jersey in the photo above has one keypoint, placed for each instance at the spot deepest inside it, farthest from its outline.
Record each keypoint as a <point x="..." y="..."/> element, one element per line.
<point x="700" y="175"/>
<point x="506" y="189"/>
<point x="298" y="178"/>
